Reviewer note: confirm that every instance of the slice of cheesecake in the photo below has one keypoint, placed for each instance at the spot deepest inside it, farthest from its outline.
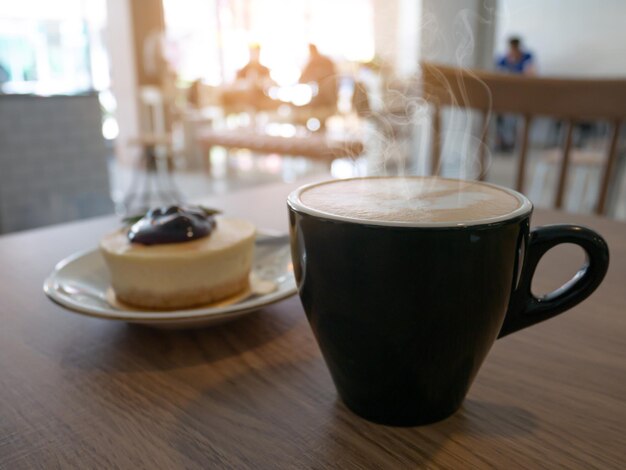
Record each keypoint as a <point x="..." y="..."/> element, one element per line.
<point x="182" y="274"/>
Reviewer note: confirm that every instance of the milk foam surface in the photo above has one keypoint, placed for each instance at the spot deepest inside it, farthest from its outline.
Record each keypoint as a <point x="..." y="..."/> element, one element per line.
<point x="410" y="200"/>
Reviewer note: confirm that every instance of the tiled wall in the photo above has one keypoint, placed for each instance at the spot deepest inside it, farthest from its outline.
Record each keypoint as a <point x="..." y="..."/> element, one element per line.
<point x="53" y="160"/>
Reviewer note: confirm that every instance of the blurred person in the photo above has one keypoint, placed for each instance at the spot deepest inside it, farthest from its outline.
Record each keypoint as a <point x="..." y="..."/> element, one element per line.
<point x="321" y="71"/>
<point x="515" y="61"/>
<point x="254" y="71"/>
<point x="248" y="92"/>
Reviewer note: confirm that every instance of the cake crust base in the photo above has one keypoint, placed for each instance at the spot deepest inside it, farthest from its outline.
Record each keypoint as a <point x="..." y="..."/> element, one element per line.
<point x="180" y="299"/>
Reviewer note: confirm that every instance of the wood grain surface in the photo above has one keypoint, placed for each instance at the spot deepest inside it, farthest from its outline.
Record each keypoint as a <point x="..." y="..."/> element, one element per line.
<point x="79" y="392"/>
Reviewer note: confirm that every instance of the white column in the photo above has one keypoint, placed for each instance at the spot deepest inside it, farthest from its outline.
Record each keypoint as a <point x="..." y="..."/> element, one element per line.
<point x="123" y="76"/>
<point x="458" y="32"/>
<point x="396" y="34"/>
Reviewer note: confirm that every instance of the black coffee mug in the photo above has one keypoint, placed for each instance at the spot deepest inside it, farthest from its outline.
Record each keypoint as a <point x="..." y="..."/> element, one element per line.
<point x="404" y="316"/>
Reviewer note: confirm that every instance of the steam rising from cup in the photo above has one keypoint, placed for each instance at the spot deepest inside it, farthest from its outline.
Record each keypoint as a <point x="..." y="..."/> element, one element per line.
<point x="399" y="136"/>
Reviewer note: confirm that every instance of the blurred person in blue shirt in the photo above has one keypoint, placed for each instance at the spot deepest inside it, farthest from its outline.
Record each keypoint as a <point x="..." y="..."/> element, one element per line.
<point x="516" y="60"/>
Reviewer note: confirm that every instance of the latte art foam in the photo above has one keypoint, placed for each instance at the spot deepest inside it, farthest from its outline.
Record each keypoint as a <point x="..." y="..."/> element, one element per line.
<point x="411" y="200"/>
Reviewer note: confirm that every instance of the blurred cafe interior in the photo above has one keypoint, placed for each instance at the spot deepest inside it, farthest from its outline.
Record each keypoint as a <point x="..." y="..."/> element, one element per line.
<point x="116" y="105"/>
<point x="195" y="275"/>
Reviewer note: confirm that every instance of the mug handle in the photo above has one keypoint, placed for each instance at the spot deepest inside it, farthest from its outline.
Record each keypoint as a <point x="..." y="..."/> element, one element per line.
<point x="524" y="308"/>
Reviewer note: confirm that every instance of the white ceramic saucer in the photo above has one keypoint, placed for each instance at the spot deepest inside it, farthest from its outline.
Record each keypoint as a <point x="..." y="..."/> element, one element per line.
<point x="81" y="283"/>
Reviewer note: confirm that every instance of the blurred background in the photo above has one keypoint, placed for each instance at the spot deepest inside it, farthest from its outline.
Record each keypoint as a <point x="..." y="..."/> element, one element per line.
<point x="117" y="105"/>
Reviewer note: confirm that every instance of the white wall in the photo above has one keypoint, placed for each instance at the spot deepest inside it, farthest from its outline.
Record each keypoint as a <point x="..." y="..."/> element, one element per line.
<point x="568" y="37"/>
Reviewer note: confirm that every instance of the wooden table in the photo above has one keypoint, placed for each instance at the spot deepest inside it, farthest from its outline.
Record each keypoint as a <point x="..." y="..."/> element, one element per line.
<point x="79" y="392"/>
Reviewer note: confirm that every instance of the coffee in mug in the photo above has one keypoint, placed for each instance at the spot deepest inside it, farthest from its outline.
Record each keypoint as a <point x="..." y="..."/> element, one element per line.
<point x="411" y="201"/>
<point x="408" y="281"/>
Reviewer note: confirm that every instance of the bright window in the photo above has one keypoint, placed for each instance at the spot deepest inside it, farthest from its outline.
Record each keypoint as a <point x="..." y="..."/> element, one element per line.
<point x="49" y="47"/>
<point x="209" y="39"/>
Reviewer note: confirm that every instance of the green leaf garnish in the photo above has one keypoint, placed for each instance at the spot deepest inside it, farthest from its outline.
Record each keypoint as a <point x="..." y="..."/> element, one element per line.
<point x="132" y="219"/>
<point x="209" y="211"/>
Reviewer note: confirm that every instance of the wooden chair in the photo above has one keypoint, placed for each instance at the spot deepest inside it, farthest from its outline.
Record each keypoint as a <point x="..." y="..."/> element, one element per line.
<point x="566" y="99"/>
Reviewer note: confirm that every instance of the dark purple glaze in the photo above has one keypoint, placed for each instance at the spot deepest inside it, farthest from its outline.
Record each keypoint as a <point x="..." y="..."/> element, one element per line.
<point x="173" y="224"/>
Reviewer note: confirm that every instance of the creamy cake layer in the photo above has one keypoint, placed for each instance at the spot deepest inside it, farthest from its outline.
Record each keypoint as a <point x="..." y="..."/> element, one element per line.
<point x="215" y="262"/>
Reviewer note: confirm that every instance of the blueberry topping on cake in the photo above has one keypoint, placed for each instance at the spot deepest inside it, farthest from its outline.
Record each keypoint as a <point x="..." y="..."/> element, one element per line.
<point x="173" y="224"/>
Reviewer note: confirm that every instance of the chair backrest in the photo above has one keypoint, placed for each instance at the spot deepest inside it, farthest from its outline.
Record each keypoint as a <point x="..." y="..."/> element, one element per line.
<point x="567" y="99"/>
<point x="53" y="160"/>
